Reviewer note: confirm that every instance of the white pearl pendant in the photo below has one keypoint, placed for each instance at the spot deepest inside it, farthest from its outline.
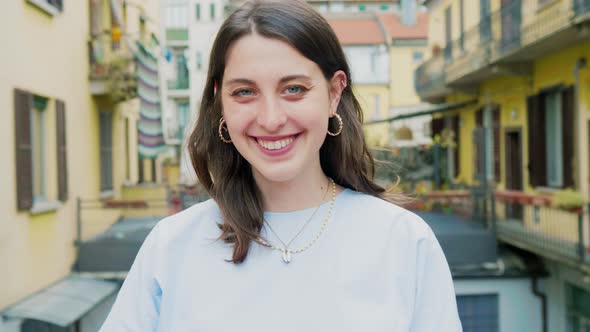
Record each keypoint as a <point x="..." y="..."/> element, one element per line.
<point x="286" y="256"/>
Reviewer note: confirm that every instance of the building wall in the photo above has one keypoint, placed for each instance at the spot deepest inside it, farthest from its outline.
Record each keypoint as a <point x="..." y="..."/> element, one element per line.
<point x="369" y="63"/>
<point x="555" y="289"/>
<point x="374" y="101"/>
<point x="519" y="308"/>
<point x="403" y="66"/>
<point x="47" y="56"/>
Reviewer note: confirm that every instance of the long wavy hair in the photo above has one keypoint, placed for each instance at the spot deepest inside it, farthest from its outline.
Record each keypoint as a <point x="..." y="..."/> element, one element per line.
<point x="220" y="168"/>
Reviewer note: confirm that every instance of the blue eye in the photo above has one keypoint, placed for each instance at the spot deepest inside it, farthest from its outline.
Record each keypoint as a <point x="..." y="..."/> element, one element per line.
<point x="243" y="93"/>
<point x="295" y="89"/>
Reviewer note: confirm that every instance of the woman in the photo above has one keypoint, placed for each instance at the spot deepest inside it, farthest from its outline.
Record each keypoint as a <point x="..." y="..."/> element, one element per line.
<point x="296" y="237"/>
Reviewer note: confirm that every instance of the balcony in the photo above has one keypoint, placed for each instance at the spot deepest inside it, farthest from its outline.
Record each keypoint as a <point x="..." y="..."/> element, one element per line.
<point x="470" y="63"/>
<point x="430" y="79"/>
<point x="528" y="30"/>
<point x="530" y="222"/>
<point x="112" y="69"/>
<point x="509" y="39"/>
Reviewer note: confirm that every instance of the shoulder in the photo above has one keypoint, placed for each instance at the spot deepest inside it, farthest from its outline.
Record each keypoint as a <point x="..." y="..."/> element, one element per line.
<point x="201" y="218"/>
<point x="385" y="216"/>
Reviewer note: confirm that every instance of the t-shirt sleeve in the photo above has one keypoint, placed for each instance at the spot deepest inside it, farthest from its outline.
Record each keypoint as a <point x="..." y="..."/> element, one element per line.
<point x="435" y="306"/>
<point x="137" y="306"/>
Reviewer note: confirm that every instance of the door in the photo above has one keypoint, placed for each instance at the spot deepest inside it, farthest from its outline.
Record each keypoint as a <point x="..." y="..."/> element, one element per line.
<point x="513" y="170"/>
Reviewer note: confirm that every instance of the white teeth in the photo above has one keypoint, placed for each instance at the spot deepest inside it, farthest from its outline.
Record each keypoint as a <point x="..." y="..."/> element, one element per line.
<point x="275" y="145"/>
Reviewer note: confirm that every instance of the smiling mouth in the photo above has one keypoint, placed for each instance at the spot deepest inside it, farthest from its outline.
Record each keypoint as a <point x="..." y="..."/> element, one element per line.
<point x="276" y="144"/>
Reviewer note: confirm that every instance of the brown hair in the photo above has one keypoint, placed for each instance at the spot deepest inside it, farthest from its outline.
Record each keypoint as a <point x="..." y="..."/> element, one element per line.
<point x="225" y="174"/>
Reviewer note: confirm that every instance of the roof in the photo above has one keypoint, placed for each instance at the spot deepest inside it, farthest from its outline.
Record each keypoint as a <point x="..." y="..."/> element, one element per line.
<point x="63" y="303"/>
<point x="396" y="30"/>
<point x="116" y="248"/>
<point x="462" y="241"/>
<point x="358" y="31"/>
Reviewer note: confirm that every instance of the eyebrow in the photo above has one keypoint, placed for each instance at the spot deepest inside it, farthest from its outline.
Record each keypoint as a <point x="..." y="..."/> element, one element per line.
<point x="281" y="81"/>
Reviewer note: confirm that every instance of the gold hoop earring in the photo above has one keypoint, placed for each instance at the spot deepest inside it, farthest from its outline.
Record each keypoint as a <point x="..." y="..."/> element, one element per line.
<point x="340" y="125"/>
<point x="221" y="129"/>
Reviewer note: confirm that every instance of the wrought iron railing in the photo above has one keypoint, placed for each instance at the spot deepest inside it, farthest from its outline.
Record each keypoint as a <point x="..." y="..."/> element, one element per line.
<point x="533" y="223"/>
<point x="430" y="75"/>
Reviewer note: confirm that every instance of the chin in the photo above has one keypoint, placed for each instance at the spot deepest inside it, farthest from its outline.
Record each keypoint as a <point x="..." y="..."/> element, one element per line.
<point x="276" y="173"/>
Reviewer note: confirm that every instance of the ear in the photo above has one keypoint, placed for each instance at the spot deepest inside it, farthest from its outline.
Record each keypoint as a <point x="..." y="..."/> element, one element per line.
<point x="338" y="83"/>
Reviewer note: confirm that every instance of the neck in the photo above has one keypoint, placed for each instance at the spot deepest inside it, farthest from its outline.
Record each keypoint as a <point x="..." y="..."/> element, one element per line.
<point x="302" y="192"/>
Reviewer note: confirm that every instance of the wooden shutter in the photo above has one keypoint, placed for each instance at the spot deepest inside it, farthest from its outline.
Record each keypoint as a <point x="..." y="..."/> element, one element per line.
<point x="62" y="165"/>
<point x="106" y="151"/>
<point x="23" y="148"/>
<point x="496" y="138"/>
<point x="477" y="143"/>
<point x="537" y="165"/>
<point x="567" y="131"/>
<point x="437" y="126"/>
<point x="457" y="150"/>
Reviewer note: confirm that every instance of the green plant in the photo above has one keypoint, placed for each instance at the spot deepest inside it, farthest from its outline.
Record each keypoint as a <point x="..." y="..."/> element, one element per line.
<point x="568" y="199"/>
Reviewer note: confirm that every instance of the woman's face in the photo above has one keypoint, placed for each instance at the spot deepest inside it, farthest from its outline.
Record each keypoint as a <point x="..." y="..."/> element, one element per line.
<point x="276" y="104"/>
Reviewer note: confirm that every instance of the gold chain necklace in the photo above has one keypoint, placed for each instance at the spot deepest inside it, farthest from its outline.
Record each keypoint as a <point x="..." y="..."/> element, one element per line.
<point x="286" y="252"/>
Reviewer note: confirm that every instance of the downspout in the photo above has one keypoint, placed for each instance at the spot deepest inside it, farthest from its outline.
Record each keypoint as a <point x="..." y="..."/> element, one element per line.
<point x="579" y="130"/>
<point x="543" y="297"/>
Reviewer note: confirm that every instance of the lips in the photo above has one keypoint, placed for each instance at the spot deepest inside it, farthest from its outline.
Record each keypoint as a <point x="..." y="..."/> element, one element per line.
<point x="274" y="145"/>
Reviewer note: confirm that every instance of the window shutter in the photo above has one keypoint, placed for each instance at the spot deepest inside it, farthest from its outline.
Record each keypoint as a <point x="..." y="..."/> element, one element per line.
<point x="62" y="166"/>
<point x="537" y="165"/>
<point x="567" y="111"/>
<point x="437" y="126"/>
<point x="24" y="157"/>
<point x="457" y="150"/>
<point x="477" y="143"/>
<point x="496" y="137"/>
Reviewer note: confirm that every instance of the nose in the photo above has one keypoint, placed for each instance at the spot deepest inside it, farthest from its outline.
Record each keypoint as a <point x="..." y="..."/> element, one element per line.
<point x="270" y="116"/>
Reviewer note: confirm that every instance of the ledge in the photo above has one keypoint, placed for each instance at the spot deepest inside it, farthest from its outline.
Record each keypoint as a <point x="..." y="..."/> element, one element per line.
<point x="44" y="6"/>
<point x="44" y="207"/>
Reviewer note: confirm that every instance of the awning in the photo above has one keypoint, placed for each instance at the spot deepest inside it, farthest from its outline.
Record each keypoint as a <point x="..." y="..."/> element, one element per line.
<point x="426" y="110"/>
<point x="63" y="303"/>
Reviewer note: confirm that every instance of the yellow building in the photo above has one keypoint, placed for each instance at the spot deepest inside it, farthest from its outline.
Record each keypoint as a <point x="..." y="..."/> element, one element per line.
<point x="514" y="81"/>
<point x="69" y="127"/>
<point x="382" y="52"/>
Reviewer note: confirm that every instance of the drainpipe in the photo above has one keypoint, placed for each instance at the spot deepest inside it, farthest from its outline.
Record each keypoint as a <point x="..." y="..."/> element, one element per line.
<point x="581" y="135"/>
<point x="580" y="132"/>
<point x="543" y="297"/>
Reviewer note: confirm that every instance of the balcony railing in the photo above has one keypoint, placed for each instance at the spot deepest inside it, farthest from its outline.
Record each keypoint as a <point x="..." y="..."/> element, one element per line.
<point x="430" y="77"/>
<point x="112" y="69"/>
<point x="532" y="223"/>
<point x="581" y="7"/>
<point x="518" y="31"/>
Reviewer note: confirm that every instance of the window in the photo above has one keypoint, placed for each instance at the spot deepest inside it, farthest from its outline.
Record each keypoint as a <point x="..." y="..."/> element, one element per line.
<point x="198" y="11"/>
<point x="578" y="309"/>
<point x="199" y="59"/>
<point x="376" y="108"/>
<point x="478" y="313"/>
<point x="39" y="148"/>
<point x="106" y="151"/>
<point x="212" y="9"/>
<point x="417" y="56"/>
<point x="36" y="151"/>
<point x="448" y="35"/>
<point x="554" y="140"/>
<point x="550" y="138"/>
<point x="183" y="118"/>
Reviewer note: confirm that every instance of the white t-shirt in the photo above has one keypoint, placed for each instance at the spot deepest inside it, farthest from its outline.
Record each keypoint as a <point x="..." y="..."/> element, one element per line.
<point x="377" y="267"/>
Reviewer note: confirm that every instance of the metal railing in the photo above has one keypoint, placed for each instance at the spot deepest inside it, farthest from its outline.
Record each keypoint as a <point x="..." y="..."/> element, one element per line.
<point x="527" y="221"/>
<point x="532" y="223"/>
<point x="499" y="34"/>
<point x="431" y="75"/>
